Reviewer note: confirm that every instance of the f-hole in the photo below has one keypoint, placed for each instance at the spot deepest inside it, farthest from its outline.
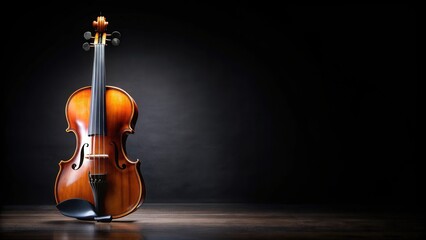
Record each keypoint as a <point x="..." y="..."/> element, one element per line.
<point x="123" y="166"/>
<point x="74" y="166"/>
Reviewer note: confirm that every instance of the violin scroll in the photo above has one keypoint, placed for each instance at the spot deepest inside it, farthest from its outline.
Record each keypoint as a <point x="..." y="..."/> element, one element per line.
<point x="100" y="24"/>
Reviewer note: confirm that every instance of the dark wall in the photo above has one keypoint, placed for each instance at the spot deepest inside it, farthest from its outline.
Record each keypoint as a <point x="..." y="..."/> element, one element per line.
<point x="238" y="102"/>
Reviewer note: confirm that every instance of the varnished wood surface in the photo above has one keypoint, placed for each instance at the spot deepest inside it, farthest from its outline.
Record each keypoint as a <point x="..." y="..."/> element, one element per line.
<point x="125" y="187"/>
<point x="220" y="221"/>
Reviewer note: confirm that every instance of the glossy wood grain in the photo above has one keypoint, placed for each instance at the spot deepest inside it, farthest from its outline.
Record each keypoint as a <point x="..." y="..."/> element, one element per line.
<point x="125" y="187"/>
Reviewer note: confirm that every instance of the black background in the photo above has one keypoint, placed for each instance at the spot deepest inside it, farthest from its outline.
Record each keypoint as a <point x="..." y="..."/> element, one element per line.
<point x="238" y="102"/>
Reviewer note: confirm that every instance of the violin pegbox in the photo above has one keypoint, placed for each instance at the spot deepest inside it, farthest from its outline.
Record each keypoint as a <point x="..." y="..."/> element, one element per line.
<point x="100" y="37"/>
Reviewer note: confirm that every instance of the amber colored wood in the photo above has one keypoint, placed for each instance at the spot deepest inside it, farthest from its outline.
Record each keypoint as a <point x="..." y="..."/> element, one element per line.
<point x="126" y="190"/>
<point x="100" y="24"/>
<point x="96" y="40"/>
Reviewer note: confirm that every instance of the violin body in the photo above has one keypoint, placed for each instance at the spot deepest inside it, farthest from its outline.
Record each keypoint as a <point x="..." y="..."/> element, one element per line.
<point x="99" y="181"/>
<point x="125" y="187"/>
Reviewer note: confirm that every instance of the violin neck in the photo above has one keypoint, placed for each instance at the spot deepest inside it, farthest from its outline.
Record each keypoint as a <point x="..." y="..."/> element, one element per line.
<point x="97" y="104"/>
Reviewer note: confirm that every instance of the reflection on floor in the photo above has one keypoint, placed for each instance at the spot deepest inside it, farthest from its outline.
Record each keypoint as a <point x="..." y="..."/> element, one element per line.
<point x="219" y="221"/>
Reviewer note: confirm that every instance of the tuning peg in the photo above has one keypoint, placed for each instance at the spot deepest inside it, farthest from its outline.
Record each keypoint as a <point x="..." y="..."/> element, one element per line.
<point x="86" y="46"/>
<point x="116" y="34"/>
<point x="87" y="35"/>
<point x="115" y="41"/>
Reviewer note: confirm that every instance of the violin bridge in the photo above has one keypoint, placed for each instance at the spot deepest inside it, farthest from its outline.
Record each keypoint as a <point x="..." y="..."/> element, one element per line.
<point x="96" y="156"/>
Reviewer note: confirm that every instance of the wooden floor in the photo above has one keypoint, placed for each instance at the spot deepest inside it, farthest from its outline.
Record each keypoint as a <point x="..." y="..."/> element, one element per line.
<point x="219" y="221"/>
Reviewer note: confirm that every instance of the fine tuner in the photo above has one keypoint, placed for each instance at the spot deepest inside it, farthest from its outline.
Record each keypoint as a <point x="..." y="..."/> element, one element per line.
<point x="100" y="36"/>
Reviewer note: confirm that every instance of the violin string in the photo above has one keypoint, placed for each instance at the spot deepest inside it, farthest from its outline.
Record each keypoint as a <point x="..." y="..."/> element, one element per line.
<point x="104" y="106"/>
<point x="96" y="100"/>
<point x="97" y="110"/>
<point x="97" y="162"/>
<point x="101" y="118"/>
<point x="99" y="106"/>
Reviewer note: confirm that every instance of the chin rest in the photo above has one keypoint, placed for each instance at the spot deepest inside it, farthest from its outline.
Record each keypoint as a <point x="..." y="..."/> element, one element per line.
<point x="82" y="210"/>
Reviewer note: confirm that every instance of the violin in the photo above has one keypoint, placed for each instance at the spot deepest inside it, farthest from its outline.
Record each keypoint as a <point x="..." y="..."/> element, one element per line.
<point x="99" y="182"/>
